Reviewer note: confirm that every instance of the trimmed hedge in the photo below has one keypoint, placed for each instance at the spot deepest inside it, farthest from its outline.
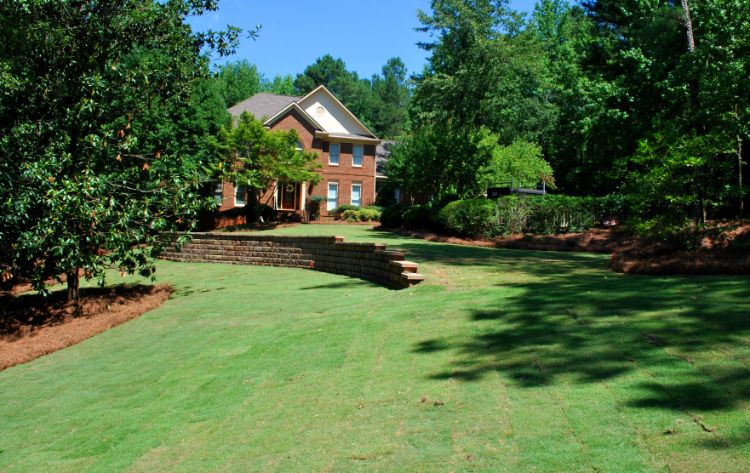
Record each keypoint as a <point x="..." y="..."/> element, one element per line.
<point x="546" y="214"/>
<point x="365" y="214"/>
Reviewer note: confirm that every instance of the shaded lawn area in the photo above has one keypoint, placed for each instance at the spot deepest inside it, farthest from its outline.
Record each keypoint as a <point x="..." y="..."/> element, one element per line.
<point x="501" y="360"/>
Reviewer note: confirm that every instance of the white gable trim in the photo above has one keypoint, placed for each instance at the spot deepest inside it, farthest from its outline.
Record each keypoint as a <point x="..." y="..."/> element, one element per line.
<point x="293" y="106"/>
<point x="322" y="88"/>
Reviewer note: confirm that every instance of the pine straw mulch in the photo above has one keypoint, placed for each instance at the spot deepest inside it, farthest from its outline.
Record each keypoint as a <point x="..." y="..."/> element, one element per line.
<point x="32" y="325"/>
<point x="721" y="252"/>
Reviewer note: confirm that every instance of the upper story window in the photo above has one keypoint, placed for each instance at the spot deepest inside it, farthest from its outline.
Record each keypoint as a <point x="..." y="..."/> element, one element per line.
<point x="357" y="155"/>
<point x="334" y="154"/>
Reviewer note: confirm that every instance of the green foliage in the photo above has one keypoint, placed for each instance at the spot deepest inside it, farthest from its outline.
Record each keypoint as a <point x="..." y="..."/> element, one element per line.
<point x="677" y="178"/>
<point x="238" y="81"/>
<point x="314" y="205"/>
<point x="280" y="85"/>
<point x="392" y="217"/>
<point x="354" y="213"/>
<point x="365" y="214"/>
<point x="608" y="90"/>
<point x="104" y="111"/>
<point x="475" y="217"/>
<point x="257" y="157"/>
<point x="438" y="161"/>
<point x="519" y="164"/>
<point x="344" y="207"/>
<point x="548" y="214"/>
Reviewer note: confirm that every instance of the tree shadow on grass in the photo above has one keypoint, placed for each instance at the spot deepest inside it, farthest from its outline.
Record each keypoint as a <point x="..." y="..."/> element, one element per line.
<point x="567" y="322"/>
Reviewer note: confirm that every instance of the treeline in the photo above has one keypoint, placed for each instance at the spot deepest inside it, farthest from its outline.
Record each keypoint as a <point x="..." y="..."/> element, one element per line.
<point x="380" y="102"/>
<point x="649" y="99"/>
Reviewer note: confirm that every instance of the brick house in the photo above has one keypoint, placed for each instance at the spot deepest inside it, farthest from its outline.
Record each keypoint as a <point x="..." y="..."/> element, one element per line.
<point x="345" y="148"/>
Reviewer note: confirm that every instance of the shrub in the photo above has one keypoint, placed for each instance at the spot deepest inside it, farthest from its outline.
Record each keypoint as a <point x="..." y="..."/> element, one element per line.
<point x="392" y="217"/>
<point x="416" y="216"/>
<point x="533" y="214"/>
<point x="314" y="206"/>
<point x="559" y="214"/>
<point x="338" y="211"/>
<point x="365" y="214"/>
<point x="512" y="215"/>
<point x="472" y="217"/>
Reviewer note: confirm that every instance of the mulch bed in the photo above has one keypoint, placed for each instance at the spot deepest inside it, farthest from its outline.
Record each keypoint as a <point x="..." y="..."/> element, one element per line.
<point x="630" y="254"/>
<point x="32" y="325"/>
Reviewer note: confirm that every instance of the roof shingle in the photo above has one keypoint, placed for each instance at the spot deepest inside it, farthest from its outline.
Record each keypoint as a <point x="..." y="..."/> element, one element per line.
<point x="262" y="105"/>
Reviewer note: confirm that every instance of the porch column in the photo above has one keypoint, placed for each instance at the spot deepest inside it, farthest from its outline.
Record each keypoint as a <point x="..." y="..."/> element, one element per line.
<point x="302" y="195"/>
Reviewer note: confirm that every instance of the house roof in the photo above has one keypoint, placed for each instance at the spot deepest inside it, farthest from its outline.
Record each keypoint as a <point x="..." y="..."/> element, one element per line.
<point x="332" y="118"/>
<point x="263" y="105"/>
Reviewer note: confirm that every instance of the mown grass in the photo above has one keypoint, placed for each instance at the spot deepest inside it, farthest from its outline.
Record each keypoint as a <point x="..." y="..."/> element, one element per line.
<point x="500" y="361"/>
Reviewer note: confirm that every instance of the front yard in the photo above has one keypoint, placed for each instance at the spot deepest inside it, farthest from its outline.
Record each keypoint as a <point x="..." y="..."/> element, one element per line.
<point x="501" y="360"/>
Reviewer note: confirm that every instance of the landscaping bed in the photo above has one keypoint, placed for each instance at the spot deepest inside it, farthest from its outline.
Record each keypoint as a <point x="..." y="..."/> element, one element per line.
<point x="32" y="325"/>
<point x="719" y="253"/>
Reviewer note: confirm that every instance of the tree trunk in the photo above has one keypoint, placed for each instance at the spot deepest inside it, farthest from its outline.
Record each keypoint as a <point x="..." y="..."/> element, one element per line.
<point x="741" y="209"/>
<point x="688" y="26"/>
<point x="699" y="210"/>
<point x="73" y="280"/>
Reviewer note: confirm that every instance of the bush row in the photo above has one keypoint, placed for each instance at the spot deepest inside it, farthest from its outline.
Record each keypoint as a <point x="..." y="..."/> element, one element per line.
<point x="546" y="214"/>
<point x="352" y="213"/>
<point x="533" y="214"/>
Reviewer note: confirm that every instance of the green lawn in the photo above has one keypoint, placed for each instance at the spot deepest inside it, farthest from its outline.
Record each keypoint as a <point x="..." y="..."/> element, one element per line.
<point x="500" y="361"/>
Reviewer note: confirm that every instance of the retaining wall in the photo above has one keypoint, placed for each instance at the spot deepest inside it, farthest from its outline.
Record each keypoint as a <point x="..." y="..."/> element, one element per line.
<point x="370" y="261"/>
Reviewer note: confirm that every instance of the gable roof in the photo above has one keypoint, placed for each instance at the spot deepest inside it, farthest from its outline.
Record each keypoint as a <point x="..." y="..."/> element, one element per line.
<point x="334" y="120"/>
<point x="262" y="105"/>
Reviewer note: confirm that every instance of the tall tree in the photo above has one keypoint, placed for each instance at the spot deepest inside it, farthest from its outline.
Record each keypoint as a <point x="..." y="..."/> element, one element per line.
<point x="238" y="81"/>
<point x="391" y="98"/>
<point x="97" y="132"/>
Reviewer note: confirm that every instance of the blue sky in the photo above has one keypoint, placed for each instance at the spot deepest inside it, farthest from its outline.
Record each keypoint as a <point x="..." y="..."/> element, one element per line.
<point x="296" y="32"/>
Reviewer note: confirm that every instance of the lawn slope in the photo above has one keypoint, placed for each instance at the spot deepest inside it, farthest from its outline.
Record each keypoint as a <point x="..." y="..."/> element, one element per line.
<point x="501" y="360"/>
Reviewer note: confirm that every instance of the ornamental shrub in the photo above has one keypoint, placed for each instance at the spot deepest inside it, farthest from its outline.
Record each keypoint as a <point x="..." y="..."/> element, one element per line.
<point x="547" y="214"/>
<point x="472" y="217"/>
<point x="365" y="214"/>
<point x="392" y="217"/>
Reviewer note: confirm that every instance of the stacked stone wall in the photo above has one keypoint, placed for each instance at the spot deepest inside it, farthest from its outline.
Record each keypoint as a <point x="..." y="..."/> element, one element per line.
<point x="370" y="261"/>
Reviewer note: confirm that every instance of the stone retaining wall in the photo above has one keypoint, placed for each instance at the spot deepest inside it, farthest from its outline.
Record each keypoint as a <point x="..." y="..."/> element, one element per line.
<point x="370" y="261"/>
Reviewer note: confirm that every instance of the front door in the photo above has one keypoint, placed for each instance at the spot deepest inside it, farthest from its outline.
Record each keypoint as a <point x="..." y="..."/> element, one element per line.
<point x="288" y="196"/>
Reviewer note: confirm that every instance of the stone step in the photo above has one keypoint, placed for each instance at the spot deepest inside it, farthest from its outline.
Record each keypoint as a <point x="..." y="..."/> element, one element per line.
<point x="411" y="278"/>
<point x="406" y="266"/>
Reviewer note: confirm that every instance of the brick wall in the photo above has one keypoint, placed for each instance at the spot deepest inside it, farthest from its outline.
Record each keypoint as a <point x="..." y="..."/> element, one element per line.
<point x="368" y="261"/>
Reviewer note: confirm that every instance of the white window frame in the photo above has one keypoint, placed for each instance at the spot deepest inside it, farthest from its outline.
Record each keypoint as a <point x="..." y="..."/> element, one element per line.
<point x="328" y="196"/>
<point x="361" y="149"/>
<point x="356" y="184"/>
<point x="331" y="154"/>
<point x="243" y="200"/>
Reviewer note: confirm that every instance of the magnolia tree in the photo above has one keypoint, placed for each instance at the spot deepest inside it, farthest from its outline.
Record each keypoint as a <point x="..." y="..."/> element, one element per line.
<point x="98" y="139"/>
